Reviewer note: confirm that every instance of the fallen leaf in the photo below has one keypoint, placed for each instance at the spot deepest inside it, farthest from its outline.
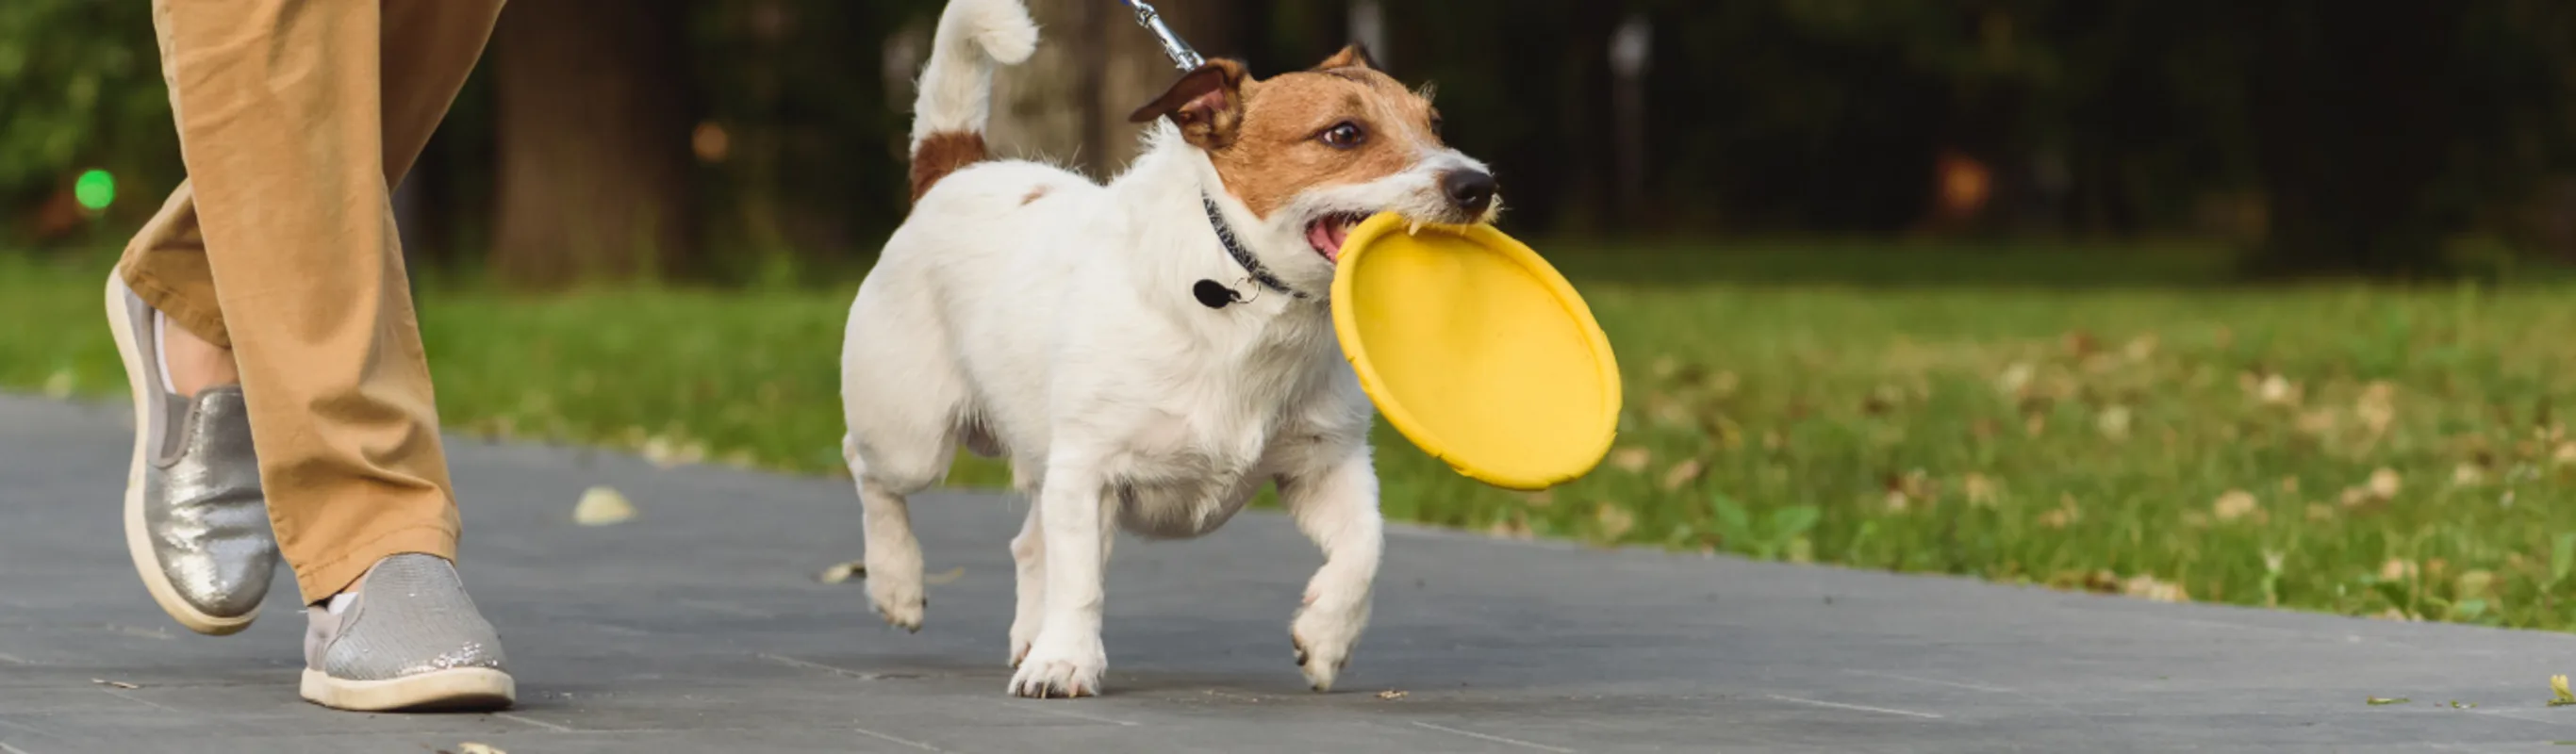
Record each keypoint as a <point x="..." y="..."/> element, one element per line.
<point x="946" y="576"/>
<point x="1979" y="489"/>
<point x="666" y="451"/>
<point x="2149" y="587"/>
<point x="1631" y="460"/>
<point x="1724" y="383"/>
<point x="2064" y="514"/>
<point x="2565" y="454"/>
<point x="2140" y="348"/>
<point x="2474" y="583"/>
<point x="1615" y="521"/>
<point x="2385" y="483"/>
<point x="840" y="572"/>
<point x="2114" y="422"/>
<point x="2014" y="378"/>
<point x="2234" y="504"/>
<point x="2558" y="693"/>
<point x="2468" y="475"/>
<point x="2381" y="700"/>
<point x="115" y="684"/>
<point x="2457" y="704"/>
<point x="2278" y="390"/>
<point x="2397" y="569"/>
<point x="601" y="506"/>
<point x="59" y="384"/>
<point x="2080" y="343"/>
<point x="1390" y="694"/>
<point x="1681" y="474"/>
<point x="2377" y="406"/>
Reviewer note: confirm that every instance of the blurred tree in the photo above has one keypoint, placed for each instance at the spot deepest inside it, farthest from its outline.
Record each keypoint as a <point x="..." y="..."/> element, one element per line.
<point x="80" y="88"/>
<point x="1069" y="103"/>
<point x="592" y="114"/>
<point x="2342" y="138"/>
<point x="810" y="100"/>
<point x="2357" y="110"/>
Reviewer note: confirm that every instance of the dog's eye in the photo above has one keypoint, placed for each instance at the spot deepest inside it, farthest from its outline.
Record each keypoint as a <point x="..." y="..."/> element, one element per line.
<point x="1435" y="124"/>
<point x="1344" y="135"/>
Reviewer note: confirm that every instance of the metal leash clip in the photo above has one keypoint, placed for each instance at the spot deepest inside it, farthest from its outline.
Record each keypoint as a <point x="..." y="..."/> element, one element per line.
<point x="1188" y="59"/>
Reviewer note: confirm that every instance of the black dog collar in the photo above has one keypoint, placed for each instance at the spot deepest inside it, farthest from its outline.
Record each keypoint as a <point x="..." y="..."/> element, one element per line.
<point x="1215" y="295"/>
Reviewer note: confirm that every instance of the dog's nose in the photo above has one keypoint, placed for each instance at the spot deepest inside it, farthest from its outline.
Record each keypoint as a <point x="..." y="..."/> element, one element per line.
<point x="1470" y="190"/>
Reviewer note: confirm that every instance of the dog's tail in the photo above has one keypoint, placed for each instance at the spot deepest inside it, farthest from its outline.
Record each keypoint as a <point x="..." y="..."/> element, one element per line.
<point x="957" y="86"/>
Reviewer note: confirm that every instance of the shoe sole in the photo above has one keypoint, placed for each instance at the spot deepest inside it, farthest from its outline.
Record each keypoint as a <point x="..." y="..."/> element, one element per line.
<point x="138" y="537"/>
<point x="452" y="690"/>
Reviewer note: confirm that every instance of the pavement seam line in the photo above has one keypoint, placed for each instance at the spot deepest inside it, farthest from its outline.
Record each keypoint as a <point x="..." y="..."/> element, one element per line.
<point x="1935" y="682"/>
<point x="1075" y="715"/>
<point x="536" y="722"/>
<point x="1860" y="707"/>
<point x="1493" y="738"/>
<point x="904" y="741"/>
<point x="812" y="665"/>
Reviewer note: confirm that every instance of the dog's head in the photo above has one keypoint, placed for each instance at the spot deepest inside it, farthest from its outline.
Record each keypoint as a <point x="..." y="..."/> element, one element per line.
<point x="1311" y="153"/>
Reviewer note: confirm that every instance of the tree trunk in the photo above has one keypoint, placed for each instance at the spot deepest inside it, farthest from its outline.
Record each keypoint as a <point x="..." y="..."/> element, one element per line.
<point x="592" y="141"/>
<point x="1069" y="103"/>
<point x="2352" y="114"/>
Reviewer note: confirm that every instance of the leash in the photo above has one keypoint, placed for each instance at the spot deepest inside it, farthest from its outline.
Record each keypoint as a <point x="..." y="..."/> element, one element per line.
<point x="1210" y="293"/>
<point x="1188" y="59"/>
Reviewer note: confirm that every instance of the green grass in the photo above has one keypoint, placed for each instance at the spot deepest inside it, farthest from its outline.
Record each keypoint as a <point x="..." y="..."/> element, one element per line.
<point x="2094" y="419"/>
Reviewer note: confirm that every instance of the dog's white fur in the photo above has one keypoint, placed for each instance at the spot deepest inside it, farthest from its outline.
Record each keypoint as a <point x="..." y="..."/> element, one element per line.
<point x="1062" y="333"/>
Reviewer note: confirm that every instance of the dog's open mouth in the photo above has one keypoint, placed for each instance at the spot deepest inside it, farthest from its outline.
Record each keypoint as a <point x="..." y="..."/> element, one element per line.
<point x="1327" y="233"/>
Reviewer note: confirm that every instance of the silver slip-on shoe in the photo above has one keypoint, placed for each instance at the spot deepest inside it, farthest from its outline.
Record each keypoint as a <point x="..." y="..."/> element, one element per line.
<point x="195" y="520"/>
<point x="408" y="639"/>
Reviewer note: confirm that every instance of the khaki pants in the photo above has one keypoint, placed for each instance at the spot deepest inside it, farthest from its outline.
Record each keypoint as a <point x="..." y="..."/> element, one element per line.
<point x="295" y="117"/>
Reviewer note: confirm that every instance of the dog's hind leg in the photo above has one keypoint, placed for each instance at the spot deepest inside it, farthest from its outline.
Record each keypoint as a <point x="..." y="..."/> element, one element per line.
<point x="1028" y="555"/>
<point x="893" y="554"/>
<point x="1336" y="506"/>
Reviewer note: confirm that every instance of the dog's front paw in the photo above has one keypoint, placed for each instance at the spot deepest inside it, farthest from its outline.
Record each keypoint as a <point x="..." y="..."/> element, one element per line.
<point x="896" y="594"/>
<point x="1323" y="639"/>
<point x="1061" y="670"/>
<point x="1021" y="640"/>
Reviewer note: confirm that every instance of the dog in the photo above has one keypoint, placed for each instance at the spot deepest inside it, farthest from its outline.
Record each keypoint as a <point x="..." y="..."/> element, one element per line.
<point x="1147" y="353"/>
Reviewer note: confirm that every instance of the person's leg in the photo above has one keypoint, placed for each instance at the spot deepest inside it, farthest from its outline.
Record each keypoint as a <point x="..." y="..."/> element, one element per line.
<point x="428" y="48"/>
<point x="209" y="574"/>
<point x="285" y="135"/>
<point x="289" y="134"/>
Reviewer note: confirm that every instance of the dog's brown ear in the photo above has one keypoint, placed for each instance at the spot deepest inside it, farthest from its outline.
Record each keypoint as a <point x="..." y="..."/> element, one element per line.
<point x="1207" y="103"/>
<point x="1351" y="56"/>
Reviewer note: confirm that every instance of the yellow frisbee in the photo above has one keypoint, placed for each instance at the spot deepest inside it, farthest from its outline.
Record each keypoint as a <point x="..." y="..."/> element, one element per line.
<point x="1477" y="350"/>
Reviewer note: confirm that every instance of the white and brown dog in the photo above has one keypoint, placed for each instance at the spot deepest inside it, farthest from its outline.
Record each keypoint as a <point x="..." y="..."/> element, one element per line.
<point x="1147" y="352"/>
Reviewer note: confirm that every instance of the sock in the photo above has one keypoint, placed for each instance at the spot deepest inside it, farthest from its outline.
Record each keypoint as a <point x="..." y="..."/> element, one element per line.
<point x="161" y="349"/>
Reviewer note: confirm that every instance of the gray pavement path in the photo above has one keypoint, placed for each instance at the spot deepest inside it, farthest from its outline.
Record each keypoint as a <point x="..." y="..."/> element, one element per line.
<point x="699" y="626"/>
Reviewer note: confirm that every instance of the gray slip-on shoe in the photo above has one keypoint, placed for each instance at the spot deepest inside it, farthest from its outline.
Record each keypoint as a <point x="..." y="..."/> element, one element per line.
<point x="196" y="522"/>
<point x="407" y="640"/>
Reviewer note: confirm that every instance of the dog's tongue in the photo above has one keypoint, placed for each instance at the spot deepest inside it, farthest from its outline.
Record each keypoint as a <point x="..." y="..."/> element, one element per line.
<point x="1327" y="237"/>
